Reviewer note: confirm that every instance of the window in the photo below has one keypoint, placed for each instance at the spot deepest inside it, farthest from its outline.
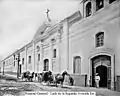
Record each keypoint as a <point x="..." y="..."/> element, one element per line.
<point x="99" y="4"/>
<point x="14" y="60"/>
<point x="42" y="32"/>
<point x="54" y="53"/>
<point x="99" y="39"/>
<point x="88" y="9"/>
<point x="46" y="65"/>
<point x="53" y="41"/>
<point x="38" y="48"/>
<point x="23" y="61"/>
<point x="77" y="65"/>
<point x="38" y="57"/>
<point x="110" y="1"/>
<point x="29" y="61"/>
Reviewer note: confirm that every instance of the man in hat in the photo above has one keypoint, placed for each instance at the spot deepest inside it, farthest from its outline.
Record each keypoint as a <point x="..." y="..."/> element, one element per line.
<point x="97" y="80"/>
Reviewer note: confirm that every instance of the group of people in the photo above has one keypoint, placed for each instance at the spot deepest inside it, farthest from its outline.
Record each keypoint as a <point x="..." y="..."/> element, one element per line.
<point x="49" y="78"/>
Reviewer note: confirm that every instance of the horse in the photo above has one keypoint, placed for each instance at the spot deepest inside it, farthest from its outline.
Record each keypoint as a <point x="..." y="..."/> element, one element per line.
<point x="30" y="77"/>
<point x="39" y="76"/>
<point x="59" y="78"/>
<point x="25" y="75"/>
<point x="47" y="77"/>
<point x="71" y="80"/>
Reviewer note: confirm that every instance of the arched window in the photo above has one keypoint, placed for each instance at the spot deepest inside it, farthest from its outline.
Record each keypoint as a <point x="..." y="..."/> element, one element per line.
<point x="23" y="61"/>
<point x="77" y="65"/>
<point x="54" y="53"/>
<point x="46" y="65"/>
<point x="88" y="9"/>
<point x="38" y="48"/>
<point x="29" y="59"/>
<point x="99" y="4"/>
<point x="110" y="1"/>
<point x="99" y="39"/>
<point x="38" y="57"/>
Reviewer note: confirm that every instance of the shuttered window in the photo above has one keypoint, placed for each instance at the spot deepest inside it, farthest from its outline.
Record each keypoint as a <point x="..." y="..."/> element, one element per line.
<point x="77" y="65"/>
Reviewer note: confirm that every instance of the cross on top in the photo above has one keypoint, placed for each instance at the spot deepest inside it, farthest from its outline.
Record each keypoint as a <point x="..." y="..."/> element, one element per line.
<point x="47" y="12"/>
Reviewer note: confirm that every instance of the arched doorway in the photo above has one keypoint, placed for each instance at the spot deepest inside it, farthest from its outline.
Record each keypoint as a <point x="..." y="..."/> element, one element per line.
<point x="102" y="64"/>
<point x="46" y="65"/>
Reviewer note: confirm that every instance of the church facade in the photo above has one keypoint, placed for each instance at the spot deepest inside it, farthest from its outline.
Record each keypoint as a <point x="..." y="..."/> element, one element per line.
<point x="85" y="43"/>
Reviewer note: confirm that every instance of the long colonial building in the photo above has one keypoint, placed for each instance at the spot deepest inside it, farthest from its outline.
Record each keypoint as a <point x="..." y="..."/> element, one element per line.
<point x="85" y="43"/>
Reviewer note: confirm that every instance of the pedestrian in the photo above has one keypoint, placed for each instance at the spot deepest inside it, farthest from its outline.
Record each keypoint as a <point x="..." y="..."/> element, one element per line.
<point x="39" y="77"/>
<point x="97" y="80"/>
<point x="35" y="76"/>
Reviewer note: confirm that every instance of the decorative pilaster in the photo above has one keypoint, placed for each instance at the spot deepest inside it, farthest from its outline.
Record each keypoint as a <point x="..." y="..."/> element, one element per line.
<point x="112" y="72"/>
<point x="51" y="55"/>
<point x="59" y="50"/>
<point x="33" y="57"/>
<point x="67" y="47"/>
<point x="93" y="6"/>
<point x="26" y="57"/>
<point x="41" y="57"/>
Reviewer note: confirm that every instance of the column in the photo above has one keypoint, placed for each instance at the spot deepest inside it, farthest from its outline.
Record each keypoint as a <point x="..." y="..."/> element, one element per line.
<point x="67" y="47"/>
<point x="89" y="79"/>
<point x="34" y="57"/>
<point x="93" y="6"/>
<point x="26" y="57"/>
<point x="112" y="72"/>
<point x="41" y="57"/>
<point x="51" y="56"/>
<point x="106" y="2"/>
<point x="59" y="56"/>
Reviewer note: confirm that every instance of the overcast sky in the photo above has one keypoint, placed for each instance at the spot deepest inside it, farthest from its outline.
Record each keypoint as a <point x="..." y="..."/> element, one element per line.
<point x="19" y="20"/>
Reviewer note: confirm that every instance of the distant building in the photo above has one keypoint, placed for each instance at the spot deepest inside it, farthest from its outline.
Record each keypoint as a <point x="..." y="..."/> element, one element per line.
<point x="85" y="43"/>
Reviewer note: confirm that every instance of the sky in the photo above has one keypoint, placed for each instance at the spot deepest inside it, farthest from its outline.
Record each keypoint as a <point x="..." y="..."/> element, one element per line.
<point x="19" y="20"/>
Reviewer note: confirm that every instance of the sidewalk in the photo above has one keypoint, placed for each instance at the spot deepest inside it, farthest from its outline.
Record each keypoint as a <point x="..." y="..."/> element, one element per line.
<point x="99" y="91"/>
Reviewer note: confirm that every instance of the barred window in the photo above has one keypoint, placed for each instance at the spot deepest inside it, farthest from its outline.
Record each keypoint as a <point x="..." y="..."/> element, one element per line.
<point x="99" y="4"/>
<point x="88" y="9"/>
<point x="110" y="1"/>
<point x="77" y="65"/>
<point x="29" y="60"/>
<point x="99" y="39"/>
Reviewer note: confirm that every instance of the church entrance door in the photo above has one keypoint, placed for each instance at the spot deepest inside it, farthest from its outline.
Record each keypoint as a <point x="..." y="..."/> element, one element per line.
<point x="102" y="64"/>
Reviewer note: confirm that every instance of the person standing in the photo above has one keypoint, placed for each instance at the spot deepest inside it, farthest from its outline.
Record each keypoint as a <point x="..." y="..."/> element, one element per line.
<point x="97" y="80"/>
